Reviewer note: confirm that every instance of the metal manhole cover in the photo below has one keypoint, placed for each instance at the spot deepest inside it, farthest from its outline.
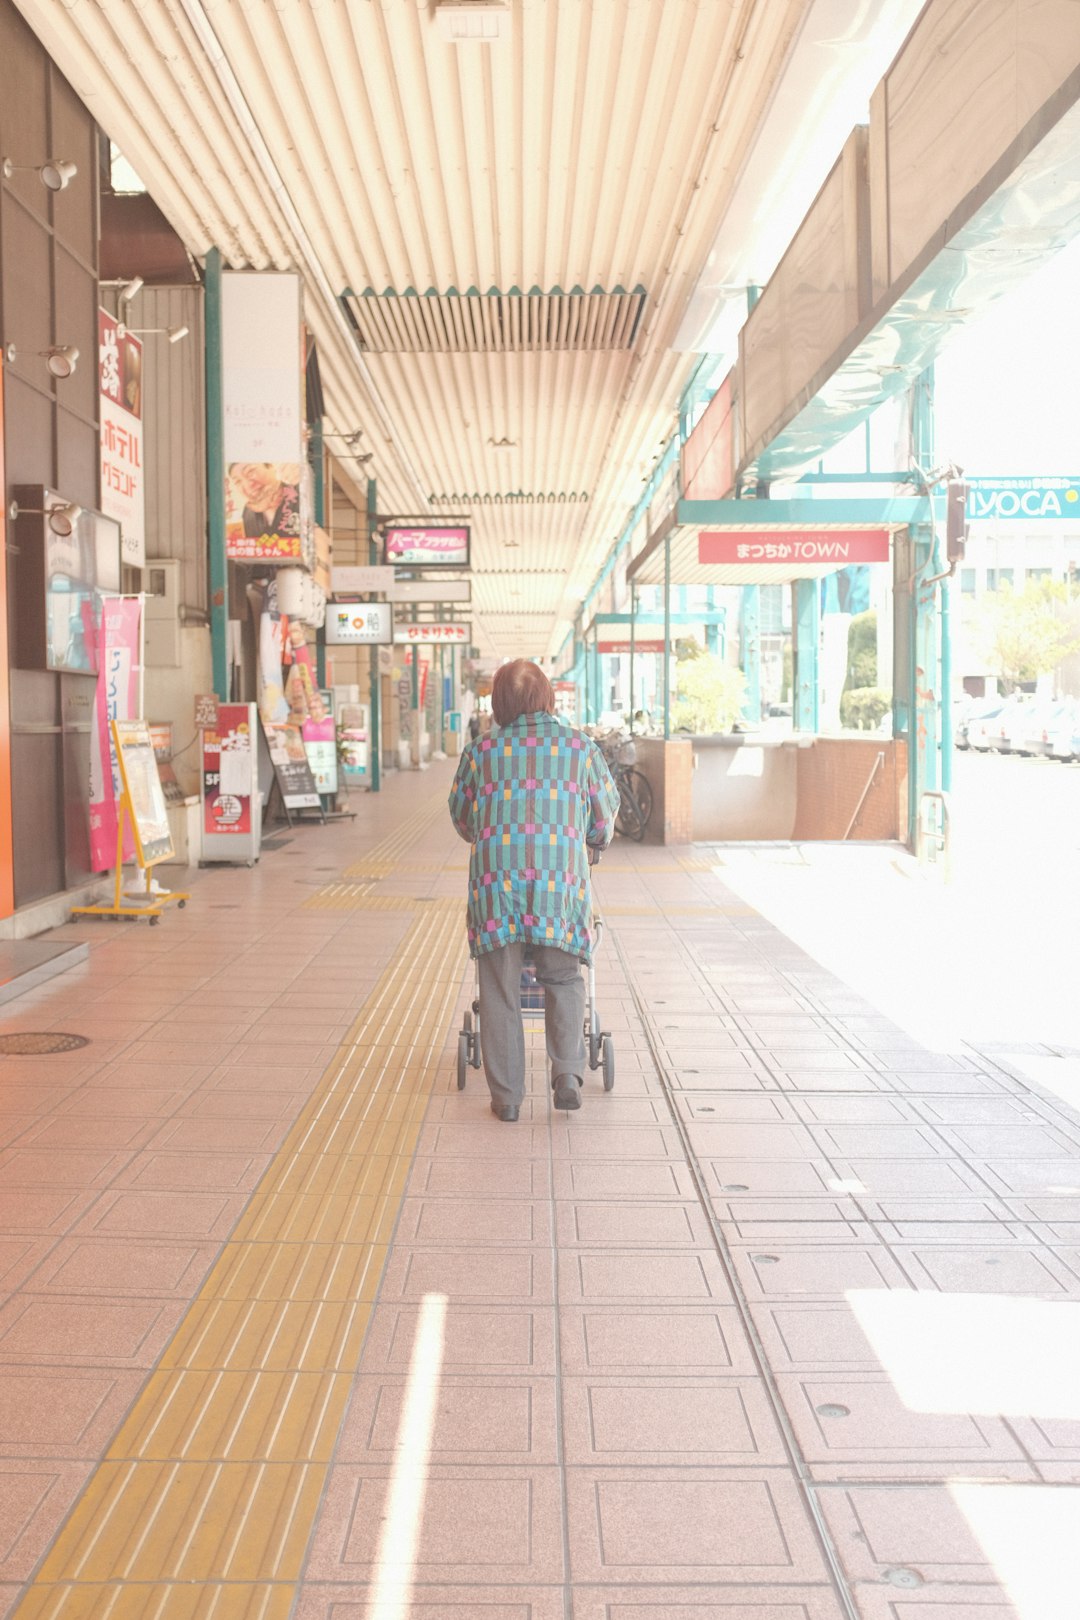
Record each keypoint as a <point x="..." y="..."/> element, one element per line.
<point x="26" y="1045"/>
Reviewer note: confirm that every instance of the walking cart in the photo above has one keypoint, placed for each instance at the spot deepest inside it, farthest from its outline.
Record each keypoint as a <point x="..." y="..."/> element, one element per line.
<point x="599" y="1047"/>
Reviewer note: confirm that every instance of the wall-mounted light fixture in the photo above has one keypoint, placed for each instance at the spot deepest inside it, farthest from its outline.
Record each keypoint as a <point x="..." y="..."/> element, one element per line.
<point x="61" y="360"/>
<point x="128" y="286"/>
<point x="173" y="333"/>
<point x="55" y="174"/>
<point x="62" y="515"/>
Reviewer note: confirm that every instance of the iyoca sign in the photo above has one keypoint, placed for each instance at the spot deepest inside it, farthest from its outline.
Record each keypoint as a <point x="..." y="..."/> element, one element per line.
<point x="990" y="500"/>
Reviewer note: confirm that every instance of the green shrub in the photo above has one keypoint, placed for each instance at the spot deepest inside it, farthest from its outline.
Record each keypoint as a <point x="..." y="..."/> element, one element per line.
<point x="862" y="709"/>
<point x="862" y="652"/>
<point x="711" y="694"/>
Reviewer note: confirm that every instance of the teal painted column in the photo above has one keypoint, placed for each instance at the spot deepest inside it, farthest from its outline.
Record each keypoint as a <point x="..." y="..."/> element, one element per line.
<point x="712" y="631"/>
<point x="374" y="716"/>
<point x="667" y="638"/>
<point x="807" y="673"/>
<point x="598" y="685"/>
<point x="586" y="661"/>
<point x="215" y="477"/>
<point x="924" y="731"/>
<point x="318" y="486"/>
<point x="633" y="627"/>
<point x="750" y="650"/>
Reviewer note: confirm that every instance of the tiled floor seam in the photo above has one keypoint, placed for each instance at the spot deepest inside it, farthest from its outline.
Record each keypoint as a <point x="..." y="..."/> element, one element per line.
<point x="805" y="1483"/>
<point x="52" y="1579"/>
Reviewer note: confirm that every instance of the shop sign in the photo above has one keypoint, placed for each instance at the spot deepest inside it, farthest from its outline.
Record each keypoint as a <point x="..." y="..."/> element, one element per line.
<point x="291" y="768"/>
<point x="116" y="698"/>
<point x="263" y="416"/>
<point x="320" y="744"/>
<point x="441" y="547"/>
<point x="228" y="771"/>
<point x="120" y="359"/>
<point x="359" y="624"/>
<point x="432" y="635"/>
<point x="795" y="548"/>
<point x="993" y="499"/>
<point x="624" y="647"/>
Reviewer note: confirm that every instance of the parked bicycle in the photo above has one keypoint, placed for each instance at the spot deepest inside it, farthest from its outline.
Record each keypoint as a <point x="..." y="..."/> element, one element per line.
<point x="635" y="794"/>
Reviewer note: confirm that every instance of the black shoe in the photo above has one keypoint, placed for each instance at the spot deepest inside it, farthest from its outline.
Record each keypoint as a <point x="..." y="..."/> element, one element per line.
<point x="567" y="1092"/>
<point x="507" y="1112"/>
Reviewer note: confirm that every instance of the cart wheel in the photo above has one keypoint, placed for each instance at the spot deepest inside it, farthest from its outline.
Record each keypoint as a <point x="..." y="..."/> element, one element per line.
<point x="180" y="904"/>
<point x="466" y="1024"/>
<point x="595" y="1043"/>
<point x="609" y="1063"/>
<point x="477" y="1056"/>
<point x="462" y="1060"/>
<point x="154" y="921"/>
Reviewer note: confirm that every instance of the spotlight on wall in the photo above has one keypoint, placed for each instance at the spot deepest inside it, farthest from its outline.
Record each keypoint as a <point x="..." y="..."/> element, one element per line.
<point x="61" y="359"/>
<point x="62" y="515"/>
<point x="173" y="333"/>
<point x="56" y="174"/>
<point x="128" y="285"/>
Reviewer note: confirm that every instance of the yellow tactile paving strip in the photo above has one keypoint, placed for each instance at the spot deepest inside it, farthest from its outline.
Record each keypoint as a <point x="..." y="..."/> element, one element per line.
<point x="203" y="1506"/>
<point x="385" y="857"/>
<point x="676" y="911"/>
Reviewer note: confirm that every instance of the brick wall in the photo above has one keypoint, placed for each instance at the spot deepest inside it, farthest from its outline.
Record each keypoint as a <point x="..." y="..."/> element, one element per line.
<point x="669" y="767"/>
<point x="831" y="777"/>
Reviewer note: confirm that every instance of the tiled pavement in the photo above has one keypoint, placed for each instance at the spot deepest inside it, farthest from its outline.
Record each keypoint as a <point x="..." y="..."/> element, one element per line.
<point x="784" y="1328"/>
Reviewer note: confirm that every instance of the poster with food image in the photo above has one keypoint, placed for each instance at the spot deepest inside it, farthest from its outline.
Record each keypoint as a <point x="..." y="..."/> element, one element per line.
<point x="262" y="512"/>
<point x="228" y="770"/>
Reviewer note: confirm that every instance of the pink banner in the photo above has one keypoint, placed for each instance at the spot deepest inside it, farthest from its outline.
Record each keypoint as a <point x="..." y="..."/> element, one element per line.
<point x="117" y="698"/>
<point x="837" y="546"/>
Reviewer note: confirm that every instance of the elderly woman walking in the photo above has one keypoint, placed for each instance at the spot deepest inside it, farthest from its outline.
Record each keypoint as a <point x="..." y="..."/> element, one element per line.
<point x="532" y="799"/>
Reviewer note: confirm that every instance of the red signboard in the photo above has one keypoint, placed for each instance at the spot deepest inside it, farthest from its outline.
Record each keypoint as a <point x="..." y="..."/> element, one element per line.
<point x="793" y="546"/>
<point x="624" y="647"/>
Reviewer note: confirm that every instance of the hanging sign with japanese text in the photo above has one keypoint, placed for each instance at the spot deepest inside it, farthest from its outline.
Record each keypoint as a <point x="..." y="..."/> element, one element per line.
<point x="263" y="416"/>
<point x="116" y="698"/>
<point x="432" y="635"/>
<point x="797" y="548"/>
<point x="120" y="359"/>
<point x="627" y="647"/>
<point x="359" y="624"/>
<point x="428" y="547"/>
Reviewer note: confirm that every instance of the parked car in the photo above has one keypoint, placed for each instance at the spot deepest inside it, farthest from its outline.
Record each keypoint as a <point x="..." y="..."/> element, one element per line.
<point x="1063" y="736"/>
<point x="969" y="715"/>
<point x="1033" y="726"/>
<point x="977" y="727"/>
<point x="1004" y="731"/>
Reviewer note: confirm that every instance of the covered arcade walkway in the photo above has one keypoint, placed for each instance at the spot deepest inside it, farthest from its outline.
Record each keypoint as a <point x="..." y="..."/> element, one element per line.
<point x="784" y="1328"/>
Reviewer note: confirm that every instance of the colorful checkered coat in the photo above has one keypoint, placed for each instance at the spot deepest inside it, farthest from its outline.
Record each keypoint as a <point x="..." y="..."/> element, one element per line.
<point x="529" y="799"/>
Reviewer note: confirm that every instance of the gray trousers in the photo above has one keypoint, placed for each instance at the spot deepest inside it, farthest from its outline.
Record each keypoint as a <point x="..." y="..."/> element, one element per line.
<point x="502" y="1036"/>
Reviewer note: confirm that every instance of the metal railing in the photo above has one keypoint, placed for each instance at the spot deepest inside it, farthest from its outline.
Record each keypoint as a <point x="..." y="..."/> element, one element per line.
<point x="933" y="843"/>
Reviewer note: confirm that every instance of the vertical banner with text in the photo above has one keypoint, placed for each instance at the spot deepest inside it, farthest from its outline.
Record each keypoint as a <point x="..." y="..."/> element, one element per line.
<point x="123" y="493"/>
<point x="263" y="416"/>
<point x="116" y="698"/>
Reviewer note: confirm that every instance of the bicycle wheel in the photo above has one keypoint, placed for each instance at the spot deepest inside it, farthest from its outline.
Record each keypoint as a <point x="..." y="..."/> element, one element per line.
<point x="628" y="820"/>
<point x="639" y="786"/>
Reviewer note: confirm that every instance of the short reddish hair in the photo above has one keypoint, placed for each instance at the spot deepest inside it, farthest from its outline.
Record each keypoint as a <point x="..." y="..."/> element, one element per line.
<point x="520" y="688"/>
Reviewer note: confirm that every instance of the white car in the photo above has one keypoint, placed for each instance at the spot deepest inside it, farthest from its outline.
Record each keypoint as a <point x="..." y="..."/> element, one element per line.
<point x="1063" y="735"/>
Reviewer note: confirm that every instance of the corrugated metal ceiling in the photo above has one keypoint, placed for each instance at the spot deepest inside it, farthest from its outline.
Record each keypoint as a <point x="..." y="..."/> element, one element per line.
<point x="597" y="147"/>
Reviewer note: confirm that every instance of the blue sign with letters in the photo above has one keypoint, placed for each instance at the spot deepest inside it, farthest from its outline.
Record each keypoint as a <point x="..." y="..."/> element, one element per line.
<point x="990" y="500"/>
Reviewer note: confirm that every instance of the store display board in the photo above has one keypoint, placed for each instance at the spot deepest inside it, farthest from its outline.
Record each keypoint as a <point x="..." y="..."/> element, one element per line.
<point x="142" y="786"/>
<point x="231" y="802"/>
<point x="320" y="745"/>
<point x="292" y="770"/>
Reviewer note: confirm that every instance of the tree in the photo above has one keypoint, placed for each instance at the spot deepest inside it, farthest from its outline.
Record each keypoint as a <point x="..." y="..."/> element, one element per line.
<point x="862" y="651"/>
<point x="711" y="694"/>
<point x="1028" y="633"/>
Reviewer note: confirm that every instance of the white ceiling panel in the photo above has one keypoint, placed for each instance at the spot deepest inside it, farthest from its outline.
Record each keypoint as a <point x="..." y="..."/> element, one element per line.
<point x="540" y="209"/>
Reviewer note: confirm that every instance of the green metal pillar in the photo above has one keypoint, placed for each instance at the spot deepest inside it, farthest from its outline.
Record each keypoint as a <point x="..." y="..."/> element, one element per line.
<point x="215" y="478"/>
<point x="925" y="689"/>
<point x="807" y="660"/>
<point x="633" y="618"/>
<point x="374" y="717"/>
<point x="712" y="630"/>
<point x="318" y="487"/>
<point x="585" y="665"/>
<point x="667" y="638"/>
<point x="598" y="684"/>
<point x="442" y="704"/>
<point x="750" y="650"/>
